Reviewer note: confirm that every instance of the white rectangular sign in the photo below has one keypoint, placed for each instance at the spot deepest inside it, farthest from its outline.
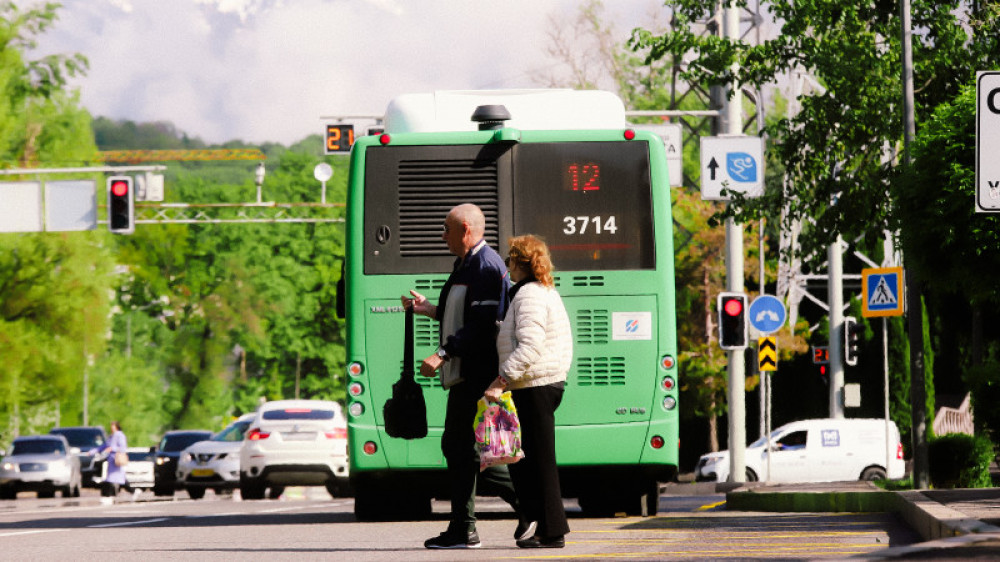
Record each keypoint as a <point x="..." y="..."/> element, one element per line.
<point x="672" y="145"/>
<point x="732" y="162"/>
<point x="21" y="206"/>
<point x="987" y="142"/>
<point x="70" y="205"/>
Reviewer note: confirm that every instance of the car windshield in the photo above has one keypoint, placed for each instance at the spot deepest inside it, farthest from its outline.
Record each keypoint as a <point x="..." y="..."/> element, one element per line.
<point x="298" y="414"/>
<point x="232" y="433"/>
<point x="140" y="456"/>
<point x="84" y="437"/>
<point x="37" y="447"/>
<point x="763" y="440"/>
<point x="181" y="441"/>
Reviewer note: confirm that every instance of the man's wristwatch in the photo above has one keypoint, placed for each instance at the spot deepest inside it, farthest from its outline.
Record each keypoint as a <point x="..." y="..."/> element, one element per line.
<point x="442" y="354"/>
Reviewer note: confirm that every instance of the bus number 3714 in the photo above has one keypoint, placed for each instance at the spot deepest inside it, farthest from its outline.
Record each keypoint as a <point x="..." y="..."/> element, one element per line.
<point x="578" y="225"/>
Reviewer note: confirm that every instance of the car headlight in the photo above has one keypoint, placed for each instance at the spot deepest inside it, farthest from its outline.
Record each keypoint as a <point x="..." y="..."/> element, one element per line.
<point x="162" y="460"/>
<point x="10" y="466"/>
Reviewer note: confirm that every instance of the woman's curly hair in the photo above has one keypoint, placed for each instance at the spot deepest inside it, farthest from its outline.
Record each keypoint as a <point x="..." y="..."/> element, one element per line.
<point x="531" y="251"/>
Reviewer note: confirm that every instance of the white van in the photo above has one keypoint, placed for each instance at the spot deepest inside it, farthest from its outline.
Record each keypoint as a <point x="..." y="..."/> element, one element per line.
<point x="826" y="450"/>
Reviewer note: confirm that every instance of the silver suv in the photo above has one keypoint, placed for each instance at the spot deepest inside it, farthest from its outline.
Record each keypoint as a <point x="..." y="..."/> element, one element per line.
<point x="214" y="463"/>
<point x="294" y="443"/>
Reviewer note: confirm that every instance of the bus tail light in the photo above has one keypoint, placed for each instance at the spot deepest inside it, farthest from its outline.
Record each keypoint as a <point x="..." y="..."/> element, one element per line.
<point x="369" y="448"/>
<point x="669" y="403"/>
<point x="629" y="134"/>
<point x="384" y="138"/>
<point x="667" y="362"/>
<point x="355" y="389"/>
<point x="355" y="369"/>
<point x="656" y="442"/>
<point x="668" y="383"/>
<point x="356" y="409"/>
<point x="256" y="434"/>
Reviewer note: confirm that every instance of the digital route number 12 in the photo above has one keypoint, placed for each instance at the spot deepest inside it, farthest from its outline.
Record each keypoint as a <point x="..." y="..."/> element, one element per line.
<point x="583" y="177"/>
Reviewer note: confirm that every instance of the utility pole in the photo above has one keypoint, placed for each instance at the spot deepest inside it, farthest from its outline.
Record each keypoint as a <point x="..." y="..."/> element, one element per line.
<point x="732" y="113"/>
<point x="914" y="309"/>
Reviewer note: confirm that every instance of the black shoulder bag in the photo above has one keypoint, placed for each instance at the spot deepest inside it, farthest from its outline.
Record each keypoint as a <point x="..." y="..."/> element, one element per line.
<point x="406" y="413"/>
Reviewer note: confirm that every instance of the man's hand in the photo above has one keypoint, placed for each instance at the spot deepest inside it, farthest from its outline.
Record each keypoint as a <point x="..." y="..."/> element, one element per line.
<point x="430" y="365"/>
<point x="420" y="304"/>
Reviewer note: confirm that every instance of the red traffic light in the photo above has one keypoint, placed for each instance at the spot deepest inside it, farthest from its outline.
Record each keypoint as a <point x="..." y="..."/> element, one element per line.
<point x="119" y="188"/>
<point x="733" y="307"/>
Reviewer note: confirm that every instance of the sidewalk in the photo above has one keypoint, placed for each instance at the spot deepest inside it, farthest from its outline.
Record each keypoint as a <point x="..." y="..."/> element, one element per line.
<point x="963" y="523"/>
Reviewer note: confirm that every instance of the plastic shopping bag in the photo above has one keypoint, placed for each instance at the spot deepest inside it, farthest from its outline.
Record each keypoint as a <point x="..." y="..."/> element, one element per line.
<point x="498" y="432"/>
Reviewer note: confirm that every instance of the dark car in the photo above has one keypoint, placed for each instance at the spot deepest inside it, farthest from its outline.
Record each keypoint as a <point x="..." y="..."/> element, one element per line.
<point x="167" y="453"/>
<point x="85" y="439"/>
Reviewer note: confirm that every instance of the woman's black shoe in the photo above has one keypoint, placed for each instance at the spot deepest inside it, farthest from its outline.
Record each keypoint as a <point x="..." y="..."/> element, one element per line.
<point x="542" y="542"/>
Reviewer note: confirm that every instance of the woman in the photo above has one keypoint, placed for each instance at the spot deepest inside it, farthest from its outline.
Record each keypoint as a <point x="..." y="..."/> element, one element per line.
<point x="116" y="474"/>
<point x="536" y="350"/>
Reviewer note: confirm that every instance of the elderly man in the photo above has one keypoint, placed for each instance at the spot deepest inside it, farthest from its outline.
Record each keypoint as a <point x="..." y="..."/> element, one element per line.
<point x="471" y="301"/>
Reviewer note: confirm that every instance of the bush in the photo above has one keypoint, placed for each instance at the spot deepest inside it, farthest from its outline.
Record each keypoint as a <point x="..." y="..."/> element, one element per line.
<point x="958" y="460"/>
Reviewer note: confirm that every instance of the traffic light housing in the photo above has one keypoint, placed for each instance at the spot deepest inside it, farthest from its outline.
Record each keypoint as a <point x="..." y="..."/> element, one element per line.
<point x="733" y="321"/>
<point x="852" y="340"/>
<point x="121" y="205"/>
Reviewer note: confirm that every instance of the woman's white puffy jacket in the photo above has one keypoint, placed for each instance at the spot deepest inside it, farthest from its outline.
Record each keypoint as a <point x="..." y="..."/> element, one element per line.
<point x="535" y="341"/>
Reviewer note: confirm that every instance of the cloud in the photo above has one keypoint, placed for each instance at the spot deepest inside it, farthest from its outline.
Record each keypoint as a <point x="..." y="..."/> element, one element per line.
<point x="267" y="70"/>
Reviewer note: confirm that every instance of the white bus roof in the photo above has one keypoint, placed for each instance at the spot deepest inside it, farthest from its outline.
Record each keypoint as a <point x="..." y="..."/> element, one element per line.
<point x="529" y="109"/>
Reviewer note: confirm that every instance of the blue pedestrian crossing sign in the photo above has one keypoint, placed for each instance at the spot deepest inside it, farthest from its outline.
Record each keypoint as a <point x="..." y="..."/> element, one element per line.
<point x="882" y="292"/>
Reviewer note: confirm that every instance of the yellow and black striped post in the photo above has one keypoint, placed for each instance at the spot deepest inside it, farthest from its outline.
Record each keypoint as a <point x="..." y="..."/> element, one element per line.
<point x="767" y="353"/>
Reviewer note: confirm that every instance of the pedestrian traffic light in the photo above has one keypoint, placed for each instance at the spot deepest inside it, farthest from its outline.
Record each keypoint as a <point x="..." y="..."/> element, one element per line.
<point x="852" y="340"/>
<point x="121" y="205"/>
<point x="733" y="326"/>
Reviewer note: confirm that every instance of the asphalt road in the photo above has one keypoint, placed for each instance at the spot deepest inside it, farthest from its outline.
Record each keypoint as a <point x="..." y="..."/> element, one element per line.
<point x="306" y="524"/>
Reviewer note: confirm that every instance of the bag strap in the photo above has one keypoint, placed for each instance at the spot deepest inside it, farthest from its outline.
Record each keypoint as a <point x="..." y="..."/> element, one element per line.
<point x="408" y="344"/>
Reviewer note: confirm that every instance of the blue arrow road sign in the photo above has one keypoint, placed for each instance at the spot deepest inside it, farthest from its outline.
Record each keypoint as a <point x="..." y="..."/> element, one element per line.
<point x="767" y="314"/>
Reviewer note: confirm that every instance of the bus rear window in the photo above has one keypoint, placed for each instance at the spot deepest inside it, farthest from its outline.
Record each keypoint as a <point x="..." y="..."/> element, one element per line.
<point x="591" y="201"/>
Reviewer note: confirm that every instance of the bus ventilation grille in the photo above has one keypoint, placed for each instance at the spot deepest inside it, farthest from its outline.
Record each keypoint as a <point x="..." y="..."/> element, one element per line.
<point x="588" y="281"/>
<point x="600" y="371"/>
<point x="592" y="326"/>
<point x="425" y="382"/>
<point x="429" y="285"/>
<point x="425" y="334"/>
<point x="428" y="189"/>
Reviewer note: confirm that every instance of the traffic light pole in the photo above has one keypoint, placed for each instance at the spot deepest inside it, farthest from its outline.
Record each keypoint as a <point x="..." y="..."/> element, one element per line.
<point x="835" y="259"/>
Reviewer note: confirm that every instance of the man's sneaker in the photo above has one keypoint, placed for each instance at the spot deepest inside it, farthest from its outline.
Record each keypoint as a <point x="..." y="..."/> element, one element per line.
<point x="525" y="530"/>
<point x="449" y="539"/>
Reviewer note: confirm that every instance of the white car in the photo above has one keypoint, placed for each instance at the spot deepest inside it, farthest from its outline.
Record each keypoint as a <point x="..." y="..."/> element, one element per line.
<point x="821" y="450"/>
<point x="138" y="471"/>
<point x="294" y="443"/>
<point x="214" y="463"/>
<point x="42" y="464"/>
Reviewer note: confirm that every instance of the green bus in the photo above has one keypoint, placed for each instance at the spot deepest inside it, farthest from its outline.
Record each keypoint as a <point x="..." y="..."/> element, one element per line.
<point x="561" y="164"/>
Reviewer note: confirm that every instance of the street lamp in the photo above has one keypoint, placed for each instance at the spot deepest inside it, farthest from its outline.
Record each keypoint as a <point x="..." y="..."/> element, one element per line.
<point x="259" y="178"/>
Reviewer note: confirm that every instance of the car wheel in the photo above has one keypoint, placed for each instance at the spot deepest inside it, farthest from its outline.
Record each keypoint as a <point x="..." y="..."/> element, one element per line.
<point x="7" y="493"/>
<point x="275" y="492"/>
<point x="47" y="494"/>
<point x="196" y="493"/>
<point x="76" y="491"/>
<point x="251" y="488"/>
<point x="751" y="476"/>
<point x="66" y="491"/>
<point x="873" y="473"/>
<point x="163" y="491"/>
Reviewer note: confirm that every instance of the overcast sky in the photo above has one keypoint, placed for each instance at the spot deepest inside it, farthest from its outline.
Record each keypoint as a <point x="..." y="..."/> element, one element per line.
<point x="268" y="70"/>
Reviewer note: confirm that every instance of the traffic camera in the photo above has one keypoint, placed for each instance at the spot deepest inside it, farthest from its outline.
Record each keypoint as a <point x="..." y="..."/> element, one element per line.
<point x="121" y="205"/>
<point x="733" y="321"/>
<point x="852" y="340"/>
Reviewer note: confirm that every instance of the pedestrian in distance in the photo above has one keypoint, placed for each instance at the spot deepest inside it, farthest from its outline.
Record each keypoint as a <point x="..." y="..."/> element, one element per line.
<point x="535" y="346"/>
<point x="470" y="302"/>
<point x="115" y="478"/>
